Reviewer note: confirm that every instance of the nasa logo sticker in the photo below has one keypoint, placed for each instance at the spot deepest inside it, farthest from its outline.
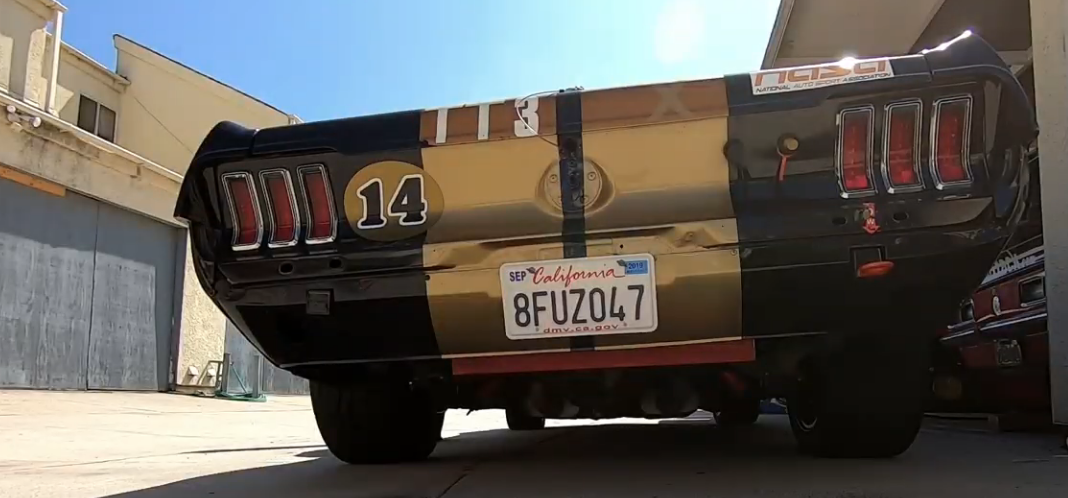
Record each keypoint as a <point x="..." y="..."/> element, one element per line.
<point x="392" y="200"/>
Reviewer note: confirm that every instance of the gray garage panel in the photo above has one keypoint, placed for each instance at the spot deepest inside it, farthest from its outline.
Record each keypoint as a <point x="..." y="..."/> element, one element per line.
<point x="273" y="380"/>
<point x="46" y="282"/>
<point x="86" y="293"/>
<point x="132" y="302"/>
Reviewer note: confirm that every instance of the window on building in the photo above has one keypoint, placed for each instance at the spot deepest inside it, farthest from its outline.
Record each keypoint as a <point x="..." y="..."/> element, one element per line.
<point x="96" y="118"/>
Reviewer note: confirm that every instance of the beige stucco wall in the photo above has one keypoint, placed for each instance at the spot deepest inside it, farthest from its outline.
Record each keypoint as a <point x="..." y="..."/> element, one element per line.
<point x="163" y="108"/>
<point x="203" y="331"/>
<point x="166" y="111"/>
<point x="59" y="156"/>
<point x="190" y="104"/>
<point x="1049" y="31"/>
<point x="78" y="77"/>
<point x="22" y="40"/>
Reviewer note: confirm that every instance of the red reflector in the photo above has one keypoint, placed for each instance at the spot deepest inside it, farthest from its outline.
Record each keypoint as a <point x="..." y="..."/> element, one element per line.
<point x="320" y="204"/>
<point x="901" y="153"/>
<point x="244" y="210"/>
<point x="875" y="269"/>
<point x="282" y="208"/>
<point x="854" y="155"/>
<point x="952" y="122"/>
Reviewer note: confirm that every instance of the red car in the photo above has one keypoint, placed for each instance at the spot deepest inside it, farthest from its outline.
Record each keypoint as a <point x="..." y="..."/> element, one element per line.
<point x="996" y="357"/>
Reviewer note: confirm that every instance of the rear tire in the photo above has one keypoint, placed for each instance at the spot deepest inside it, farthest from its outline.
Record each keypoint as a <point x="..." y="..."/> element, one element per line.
<point x="375" y="422"/>
<point x="864" y="401"/>
<point x="738" y="413"/>
<point x="520" y="421"/>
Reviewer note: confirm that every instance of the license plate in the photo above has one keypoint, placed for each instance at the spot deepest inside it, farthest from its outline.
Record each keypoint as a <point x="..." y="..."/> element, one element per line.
<point x="581" y="296"/>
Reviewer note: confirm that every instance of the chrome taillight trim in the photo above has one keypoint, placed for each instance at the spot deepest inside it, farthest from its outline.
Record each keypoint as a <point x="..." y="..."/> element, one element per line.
<point x="969" y="303"/>
<point x="307" y="205"/>
<point x="966" y="141"/>
<point x="916" y="146"/>
<point x="271" y="242"/>
<point x="233" y="210"/>
<point x="1032" y="278"/>
<point x="848" y="194"/>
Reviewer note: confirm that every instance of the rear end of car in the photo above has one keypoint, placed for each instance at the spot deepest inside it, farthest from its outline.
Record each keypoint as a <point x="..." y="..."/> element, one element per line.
<point x="994" y="355"/>
<point x="492" y="248"/>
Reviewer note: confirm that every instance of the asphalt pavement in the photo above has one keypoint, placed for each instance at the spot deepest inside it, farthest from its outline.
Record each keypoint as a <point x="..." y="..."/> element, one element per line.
<point x="129" y="445"/>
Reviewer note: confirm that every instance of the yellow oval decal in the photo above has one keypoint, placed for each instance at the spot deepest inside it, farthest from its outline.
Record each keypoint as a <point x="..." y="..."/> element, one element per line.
<point x="392" y="200"/>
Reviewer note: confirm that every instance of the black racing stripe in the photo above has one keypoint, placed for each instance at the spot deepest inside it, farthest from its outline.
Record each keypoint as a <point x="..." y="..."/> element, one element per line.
<point x="572" y="190"/>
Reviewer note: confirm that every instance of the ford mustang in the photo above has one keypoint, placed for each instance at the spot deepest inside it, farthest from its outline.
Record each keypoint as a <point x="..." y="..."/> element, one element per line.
<point x="644" y="251"/>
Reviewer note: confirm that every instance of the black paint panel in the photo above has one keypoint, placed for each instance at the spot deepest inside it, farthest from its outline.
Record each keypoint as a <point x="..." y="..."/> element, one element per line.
<point x="572" y="186"/>
<point x="800" y="237"/>
<point x="370" y="316"/>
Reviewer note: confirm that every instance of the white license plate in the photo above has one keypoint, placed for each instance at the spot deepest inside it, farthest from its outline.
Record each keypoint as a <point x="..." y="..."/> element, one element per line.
<point x="581" y="296"/>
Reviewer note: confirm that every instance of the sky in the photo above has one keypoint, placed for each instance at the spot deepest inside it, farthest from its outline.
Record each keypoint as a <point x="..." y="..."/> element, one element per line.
<point x="323" y="59"/>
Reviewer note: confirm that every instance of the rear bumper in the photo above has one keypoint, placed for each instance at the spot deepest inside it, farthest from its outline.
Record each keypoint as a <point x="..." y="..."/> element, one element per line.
<point x="814" y="289"/>
<point x="976" y="345"/>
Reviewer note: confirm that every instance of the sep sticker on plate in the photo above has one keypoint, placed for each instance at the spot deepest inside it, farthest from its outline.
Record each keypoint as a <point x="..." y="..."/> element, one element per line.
<point x="845" y="71"/>
<point x="582" y="296"/>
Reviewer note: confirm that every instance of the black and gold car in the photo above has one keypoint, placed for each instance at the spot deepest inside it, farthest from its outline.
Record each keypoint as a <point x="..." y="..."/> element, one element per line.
<point x="632" y="252"/>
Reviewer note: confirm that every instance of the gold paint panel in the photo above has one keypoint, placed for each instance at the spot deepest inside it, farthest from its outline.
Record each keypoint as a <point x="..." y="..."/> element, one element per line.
<point x="601" y="109"/>
<point x="468" y="316"/>
<point x="699" y="296"/>
<point x="650" y="104"/>
<point x="389" y="175"/>
<point x="491" y="190"/>
<point x="665" y="191"/>
<point x="660" y="175"/>
<point x="462" y="122"/>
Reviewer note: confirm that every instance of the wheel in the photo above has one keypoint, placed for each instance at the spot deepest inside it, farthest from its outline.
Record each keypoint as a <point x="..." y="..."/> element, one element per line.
<point x="520" y="421"/>
<point x="738" y="413"/>
<point x="375" y="422"/>
<point x="863" y="401"/>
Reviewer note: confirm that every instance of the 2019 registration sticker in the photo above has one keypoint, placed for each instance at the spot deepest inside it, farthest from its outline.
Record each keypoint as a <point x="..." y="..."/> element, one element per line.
<point x="582" y="296"/>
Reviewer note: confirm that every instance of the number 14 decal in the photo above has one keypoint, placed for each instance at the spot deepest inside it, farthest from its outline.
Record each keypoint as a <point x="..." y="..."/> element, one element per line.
<point x="408" y="203"/>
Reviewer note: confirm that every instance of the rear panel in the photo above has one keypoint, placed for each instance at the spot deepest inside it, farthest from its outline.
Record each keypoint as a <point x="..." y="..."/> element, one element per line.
<point x="653" y="180"/>
<point x="736" y="187"/>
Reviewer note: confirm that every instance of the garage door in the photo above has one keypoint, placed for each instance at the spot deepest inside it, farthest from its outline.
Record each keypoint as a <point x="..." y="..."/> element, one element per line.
<point x="86" y="293"/>
<point x="243" y="357"/>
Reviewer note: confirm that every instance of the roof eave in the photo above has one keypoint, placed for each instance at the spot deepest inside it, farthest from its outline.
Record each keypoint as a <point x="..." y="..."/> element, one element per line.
<point x="778" y="31"/>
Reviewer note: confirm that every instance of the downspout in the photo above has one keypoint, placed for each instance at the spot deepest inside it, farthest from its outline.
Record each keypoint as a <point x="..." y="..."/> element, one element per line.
<point x="57" y="43"/>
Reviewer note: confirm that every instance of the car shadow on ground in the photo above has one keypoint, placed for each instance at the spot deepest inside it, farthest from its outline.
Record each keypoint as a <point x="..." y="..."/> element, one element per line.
<point x="673" y="458"/>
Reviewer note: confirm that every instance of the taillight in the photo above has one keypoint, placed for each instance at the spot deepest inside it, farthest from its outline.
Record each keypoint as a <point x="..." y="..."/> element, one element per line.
<point x="967" y="311"/>
<point x="950" y="136"/>
<point x="281" y="207"/>
<point x="244" y="210"/>
<point x="1032" y="290"/>
<point x="854" y="151"/>
<point x="901" y="147"/>
<point x="322" y="224"/>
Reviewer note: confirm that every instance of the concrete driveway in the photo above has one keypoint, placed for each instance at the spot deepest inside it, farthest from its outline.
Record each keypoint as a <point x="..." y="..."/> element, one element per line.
<point x="170" y="446"/>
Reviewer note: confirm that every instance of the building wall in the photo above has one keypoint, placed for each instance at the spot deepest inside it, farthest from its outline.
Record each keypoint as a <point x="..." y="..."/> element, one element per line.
<point x="78" y="77"/>
<point x="54" y="154"/>
<point x="190" y="104"/>
<point x="166" y="111"/>
<point x="163" y="111"/>
<point x="22" y="41"/>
